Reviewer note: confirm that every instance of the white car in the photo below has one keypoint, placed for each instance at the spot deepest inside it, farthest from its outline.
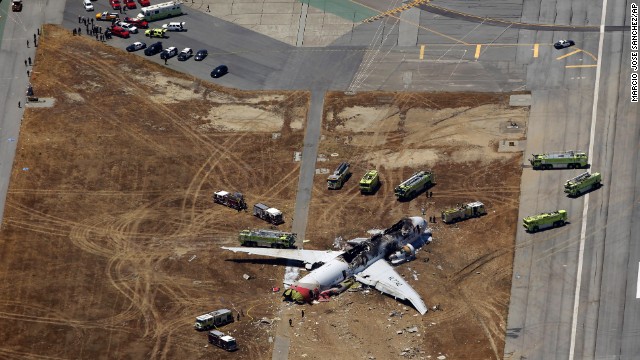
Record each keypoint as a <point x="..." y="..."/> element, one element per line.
<point x="131" y="28"/>
<point x="87" y="5"/>
<point x="174" y="26"/>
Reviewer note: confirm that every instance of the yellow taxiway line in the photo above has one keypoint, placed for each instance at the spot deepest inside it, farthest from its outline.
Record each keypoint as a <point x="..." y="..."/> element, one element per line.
<point x="478" y="47"/>
<point x="567" y="55"/>
<point x="421" y="52"/>
<point x="580" y="66"/>
<point x="535" y="50"/>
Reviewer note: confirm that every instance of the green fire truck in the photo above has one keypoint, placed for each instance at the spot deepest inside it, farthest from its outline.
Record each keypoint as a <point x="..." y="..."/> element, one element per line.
<point x="339" y="176"/>
<point x="582" y="183"/>
<point x="418" y="182"/>
<point x="544" y="221"/>
<point x="370" y="182"/>
<point x="559" y="160"/>
<point x="267" y="238"/>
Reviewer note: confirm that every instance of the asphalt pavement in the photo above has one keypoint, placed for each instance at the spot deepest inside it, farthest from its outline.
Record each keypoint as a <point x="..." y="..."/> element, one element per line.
<point x="574" y="288"/>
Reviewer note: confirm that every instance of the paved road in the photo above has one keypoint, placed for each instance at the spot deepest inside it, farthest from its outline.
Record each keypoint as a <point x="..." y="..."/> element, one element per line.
<point x="542" y="320"/>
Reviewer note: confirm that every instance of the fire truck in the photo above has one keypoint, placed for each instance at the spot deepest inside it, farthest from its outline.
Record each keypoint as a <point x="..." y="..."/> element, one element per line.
<point x="268" y="214"/>
<point x="545" y="221"/>
<point x="582" y="183"/>
<point x="215" y="318"/>
<point x="560" y="160"/>
<point x="463" y="212"/>
<point x="267" y="238"/>
<point x="223" y="341"/>
<point x="369" y="182"/>
<point x="234" y="201"/>
<point x="339" y="176"/>
<point x="411" y="187"/>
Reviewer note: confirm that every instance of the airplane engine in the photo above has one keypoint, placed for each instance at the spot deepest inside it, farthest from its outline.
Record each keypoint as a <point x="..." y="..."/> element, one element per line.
<point x="408" y="252"/>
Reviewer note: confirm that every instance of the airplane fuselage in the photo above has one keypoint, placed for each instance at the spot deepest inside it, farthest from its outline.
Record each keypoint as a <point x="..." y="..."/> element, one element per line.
<point x="361" y="256"/>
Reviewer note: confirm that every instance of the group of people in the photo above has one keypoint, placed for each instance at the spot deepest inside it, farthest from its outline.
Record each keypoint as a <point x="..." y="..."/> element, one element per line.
<point x="93" y="30"/>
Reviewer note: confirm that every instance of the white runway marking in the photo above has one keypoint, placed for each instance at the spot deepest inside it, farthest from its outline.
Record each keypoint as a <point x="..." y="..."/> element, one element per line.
<point x="638" y="285"/>
<point x="576" y="302"/>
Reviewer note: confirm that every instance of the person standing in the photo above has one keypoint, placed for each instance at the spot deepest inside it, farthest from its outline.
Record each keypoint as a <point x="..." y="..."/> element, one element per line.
<point x="29" y="60"/>
<point x="290" y="322"/>
<point x="27" y="43"/>
<point x="303" y="313"/>
<point x="25" y="62"/>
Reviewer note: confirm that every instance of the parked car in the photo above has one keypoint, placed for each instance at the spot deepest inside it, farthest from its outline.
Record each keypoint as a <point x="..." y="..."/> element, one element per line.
<point x="219" y="71"/>
<point x="131" y="28"/>
<point x="136" y="46"/>
<point x="130" y="4"/>
<point x="16" y="5"/>
<point x="120" y="32"/>
<point x="144" y="3"/>
<point x="174" y="26"/>
<point x="563" y="44"/>
<point x="153" y="49"/>
<point x="185" y="54"/>
<point x="155" y="33"/>
<point x="115" y="4"/>
<point x="201" y="54"/>
<point x="169" y="52"/>
<point x="106" y="16"/>
<point x="87" y="5"/>
<point x="142" y="24"/>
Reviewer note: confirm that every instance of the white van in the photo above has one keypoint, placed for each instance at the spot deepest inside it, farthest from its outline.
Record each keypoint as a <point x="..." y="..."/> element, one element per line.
<point x="174" y="26"/>
<point x="87" y="5"/>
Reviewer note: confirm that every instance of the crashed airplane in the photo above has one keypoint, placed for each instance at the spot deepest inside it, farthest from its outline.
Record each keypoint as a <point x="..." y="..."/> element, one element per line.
<point x="368" y="261"/>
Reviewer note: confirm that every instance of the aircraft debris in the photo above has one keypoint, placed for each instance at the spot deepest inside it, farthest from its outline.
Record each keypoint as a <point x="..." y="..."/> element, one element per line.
<point x="246" y="277"/>
<point x="412" y="329"/>
<point x="399" y="332"/>
<point x="368" y="261"/>
<point x="441" y="357"/>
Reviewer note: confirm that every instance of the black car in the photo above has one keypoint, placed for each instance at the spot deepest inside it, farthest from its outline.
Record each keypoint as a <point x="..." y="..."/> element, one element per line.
<point x="153" y="49"/>
<point x="562" y="44"/>
<point x="136" y="46"/>
<point x="219" y="71"/>
<point x="201" y="54"/>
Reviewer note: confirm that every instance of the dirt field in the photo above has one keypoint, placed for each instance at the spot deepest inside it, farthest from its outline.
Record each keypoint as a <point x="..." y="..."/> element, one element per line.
<point x="100" y="232"/>
<point x="467" y="268"/>
<point x="110" y="243"/>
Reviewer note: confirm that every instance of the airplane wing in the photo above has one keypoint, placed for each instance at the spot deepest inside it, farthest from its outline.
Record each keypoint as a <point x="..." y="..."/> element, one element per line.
<point x="306" y="256"/>
<point x="384" y="278"/>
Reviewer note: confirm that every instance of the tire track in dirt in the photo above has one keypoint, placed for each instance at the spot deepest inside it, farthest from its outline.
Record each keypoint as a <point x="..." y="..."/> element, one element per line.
<point x="206" y="174"/>
<point x="106" y="69"/>
<point x="14" y="354"/>
<point x="282" y="184"/>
